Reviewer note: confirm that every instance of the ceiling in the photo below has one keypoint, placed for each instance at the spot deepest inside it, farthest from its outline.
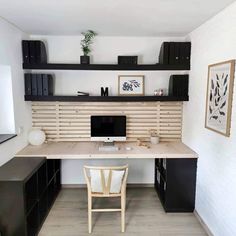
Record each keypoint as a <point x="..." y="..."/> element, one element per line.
<point x="110" y="17"/>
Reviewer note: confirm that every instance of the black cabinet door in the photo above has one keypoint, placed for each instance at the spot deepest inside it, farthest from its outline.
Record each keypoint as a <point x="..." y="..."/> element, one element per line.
<point x="181" y="183"/>
<point x="177" y="185"/>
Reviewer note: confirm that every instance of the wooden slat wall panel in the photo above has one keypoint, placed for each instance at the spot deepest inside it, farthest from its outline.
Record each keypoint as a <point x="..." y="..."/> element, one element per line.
<point x="70" y="121"/>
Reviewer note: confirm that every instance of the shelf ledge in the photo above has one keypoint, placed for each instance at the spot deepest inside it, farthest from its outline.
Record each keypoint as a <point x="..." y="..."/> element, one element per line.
<point x="62" y="66"/>
<point x="105" y="98"/>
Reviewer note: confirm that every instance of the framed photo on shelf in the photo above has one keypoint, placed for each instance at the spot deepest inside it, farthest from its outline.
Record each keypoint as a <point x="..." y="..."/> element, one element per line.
<point x="131" y="85"/>
<point x="219" y="97"/>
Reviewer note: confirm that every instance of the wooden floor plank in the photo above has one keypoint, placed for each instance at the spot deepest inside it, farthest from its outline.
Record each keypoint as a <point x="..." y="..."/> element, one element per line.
<point x="144" y="216"/>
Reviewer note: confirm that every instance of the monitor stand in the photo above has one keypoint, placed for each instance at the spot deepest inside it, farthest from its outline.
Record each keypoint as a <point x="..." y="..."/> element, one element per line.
<point x="108" y="147"/>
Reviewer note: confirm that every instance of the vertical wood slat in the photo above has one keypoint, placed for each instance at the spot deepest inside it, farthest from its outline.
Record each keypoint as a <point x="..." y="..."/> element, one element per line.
<point x="66" y="121"/>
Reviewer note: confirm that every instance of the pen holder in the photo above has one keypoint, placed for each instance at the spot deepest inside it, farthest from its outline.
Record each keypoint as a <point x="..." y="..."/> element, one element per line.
<point x="154" y="139"/>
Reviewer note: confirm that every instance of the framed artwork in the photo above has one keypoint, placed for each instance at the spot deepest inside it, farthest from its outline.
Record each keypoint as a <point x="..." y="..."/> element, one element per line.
<point x="219" y="97"/>
<point x="131" y="85"/>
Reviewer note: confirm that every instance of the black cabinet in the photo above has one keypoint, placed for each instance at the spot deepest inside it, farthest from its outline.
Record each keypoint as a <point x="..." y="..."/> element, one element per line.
<point x="175" y="183"/>
<point x="28" y="187"/>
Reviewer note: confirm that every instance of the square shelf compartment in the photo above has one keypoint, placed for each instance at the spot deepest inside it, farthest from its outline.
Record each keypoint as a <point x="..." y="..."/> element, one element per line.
<point x="43" y="207"/>
<point x="42" y="179"/>
<point x="50" y="169"/>
<point x="51" y="192"/>
<point x="33" y="221"/>
<point x="57" y="164"/>
<point x="58" y="182"/>
<point x="31" y="192"/>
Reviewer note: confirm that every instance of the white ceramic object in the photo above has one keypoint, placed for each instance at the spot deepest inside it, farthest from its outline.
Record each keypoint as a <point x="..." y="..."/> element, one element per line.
<point x="154" y="139"/>
<point x="36" y="137"/>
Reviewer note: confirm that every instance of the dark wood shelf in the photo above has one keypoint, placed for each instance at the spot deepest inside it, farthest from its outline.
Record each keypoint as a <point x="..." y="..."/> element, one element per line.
<point x="150" y="67"/>
<point x="105" y="99"/>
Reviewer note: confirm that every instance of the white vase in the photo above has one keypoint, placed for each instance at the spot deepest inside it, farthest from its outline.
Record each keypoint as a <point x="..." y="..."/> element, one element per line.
<point x="36" y="137"/>
<point x="154" y="139"/>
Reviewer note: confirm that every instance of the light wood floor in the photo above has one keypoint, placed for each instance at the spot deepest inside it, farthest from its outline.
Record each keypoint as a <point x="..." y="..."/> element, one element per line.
<point x="144" y="216"/>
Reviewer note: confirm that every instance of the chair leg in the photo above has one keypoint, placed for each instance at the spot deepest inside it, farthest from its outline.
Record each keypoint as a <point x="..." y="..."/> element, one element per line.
<point x="123" y="201"/>
<point x="90" y="214"/>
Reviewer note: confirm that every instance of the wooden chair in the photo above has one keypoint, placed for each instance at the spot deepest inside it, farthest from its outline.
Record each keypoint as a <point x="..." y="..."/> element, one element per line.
<point x="106" y="182"/>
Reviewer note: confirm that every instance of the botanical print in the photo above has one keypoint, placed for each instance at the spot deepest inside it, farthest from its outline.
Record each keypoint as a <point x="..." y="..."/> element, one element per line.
<point x="131" y="85"/>
<point x="219" y="97"/>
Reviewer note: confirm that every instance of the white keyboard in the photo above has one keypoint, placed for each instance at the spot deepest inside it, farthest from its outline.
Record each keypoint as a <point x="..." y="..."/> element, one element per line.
<point x="108" y="148"/>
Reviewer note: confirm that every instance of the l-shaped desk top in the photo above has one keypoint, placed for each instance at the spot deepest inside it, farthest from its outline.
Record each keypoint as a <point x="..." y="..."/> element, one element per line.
<point x="90" y="150"/>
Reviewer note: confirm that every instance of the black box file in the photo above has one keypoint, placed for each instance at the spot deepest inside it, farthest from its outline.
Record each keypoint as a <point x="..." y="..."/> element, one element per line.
<point x="47" y="85"/>
<point x="28" y="90"/>
<point x="178" y="85"/>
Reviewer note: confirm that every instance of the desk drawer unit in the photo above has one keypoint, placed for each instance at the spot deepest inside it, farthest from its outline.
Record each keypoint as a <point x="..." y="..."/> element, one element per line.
<point x="175" y="183"/>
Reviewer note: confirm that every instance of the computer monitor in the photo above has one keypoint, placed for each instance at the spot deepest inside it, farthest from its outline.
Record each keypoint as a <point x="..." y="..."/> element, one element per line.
<point x="108" y="128"/>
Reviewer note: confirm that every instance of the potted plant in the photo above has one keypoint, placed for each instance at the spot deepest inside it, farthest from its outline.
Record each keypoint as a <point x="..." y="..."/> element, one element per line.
<point x="85" y="45"/>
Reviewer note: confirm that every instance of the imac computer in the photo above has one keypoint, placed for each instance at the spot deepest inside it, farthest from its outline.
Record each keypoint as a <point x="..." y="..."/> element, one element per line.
<point x="108" y="129"/>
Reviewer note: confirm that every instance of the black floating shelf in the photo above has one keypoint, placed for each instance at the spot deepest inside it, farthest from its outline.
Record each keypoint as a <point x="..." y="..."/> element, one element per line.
<point x="151" y="67"/>
<point x="104" y="99"/>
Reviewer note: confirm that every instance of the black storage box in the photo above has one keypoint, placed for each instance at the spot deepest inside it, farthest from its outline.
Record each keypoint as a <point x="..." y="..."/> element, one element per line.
<point x="34" y="52"/>
<point x="179" y="53"/>
<point x="164" y="53"/>
<point x="127" y="60"/>
<point x="175" y="53"/>
<point x="178" y="85"/>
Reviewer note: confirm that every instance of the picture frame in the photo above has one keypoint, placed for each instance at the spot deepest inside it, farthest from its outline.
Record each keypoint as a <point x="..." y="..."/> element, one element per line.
<point x="131" y="85"/>
<point x="219" y="97"/>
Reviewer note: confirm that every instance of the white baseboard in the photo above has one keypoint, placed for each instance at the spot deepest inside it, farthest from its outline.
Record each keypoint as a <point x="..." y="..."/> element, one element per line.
<point x="203" y="224"/>
<point x="128" y="186"/>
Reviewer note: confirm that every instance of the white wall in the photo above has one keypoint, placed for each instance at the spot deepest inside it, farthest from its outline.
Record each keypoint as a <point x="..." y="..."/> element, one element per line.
<point x="10" y="51"/>
<point x="7" y="121"/>
<point x="105" y="50"/>
<point x="213" y="42"/>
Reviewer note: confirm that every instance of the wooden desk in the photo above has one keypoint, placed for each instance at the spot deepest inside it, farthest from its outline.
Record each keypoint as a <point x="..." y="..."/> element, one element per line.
<point x="89" y="150"/>
<point x="175" y="166"/>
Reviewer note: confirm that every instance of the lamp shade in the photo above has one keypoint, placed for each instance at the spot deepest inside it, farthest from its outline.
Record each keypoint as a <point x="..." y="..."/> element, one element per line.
<point x="36" y="137"/>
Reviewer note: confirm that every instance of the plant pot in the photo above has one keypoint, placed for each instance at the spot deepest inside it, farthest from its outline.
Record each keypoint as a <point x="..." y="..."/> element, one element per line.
<point x="84" y="60"/>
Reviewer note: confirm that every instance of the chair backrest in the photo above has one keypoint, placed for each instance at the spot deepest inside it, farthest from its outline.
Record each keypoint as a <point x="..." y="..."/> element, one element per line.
<point x="106" y="179"/>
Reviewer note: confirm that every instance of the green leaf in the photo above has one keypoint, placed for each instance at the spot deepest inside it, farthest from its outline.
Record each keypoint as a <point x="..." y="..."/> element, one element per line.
<point x="87" y="41"/>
